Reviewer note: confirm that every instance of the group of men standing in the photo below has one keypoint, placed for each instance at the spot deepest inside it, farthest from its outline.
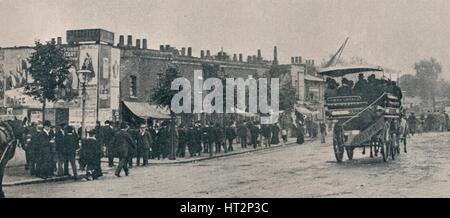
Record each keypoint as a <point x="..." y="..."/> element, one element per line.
<point x="49" y="149"/>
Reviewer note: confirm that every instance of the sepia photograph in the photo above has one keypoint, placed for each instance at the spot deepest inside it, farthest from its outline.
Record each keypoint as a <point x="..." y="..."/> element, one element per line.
<point x="225" y="99"/>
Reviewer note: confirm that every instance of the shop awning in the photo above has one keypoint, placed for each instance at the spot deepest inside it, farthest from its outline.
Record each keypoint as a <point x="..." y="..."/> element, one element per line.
<point x="313" y="78"/>
<point x="243" y="113"/>
<point x="145" y="110"/>
<point x="304" y="110"/>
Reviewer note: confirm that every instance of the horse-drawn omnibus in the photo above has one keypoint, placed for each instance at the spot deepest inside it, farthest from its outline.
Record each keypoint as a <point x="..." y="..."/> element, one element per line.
<point x="367" y="117"/>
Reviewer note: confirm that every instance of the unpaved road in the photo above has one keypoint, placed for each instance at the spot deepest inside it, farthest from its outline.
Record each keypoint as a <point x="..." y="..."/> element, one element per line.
<point x="307" y="170"/>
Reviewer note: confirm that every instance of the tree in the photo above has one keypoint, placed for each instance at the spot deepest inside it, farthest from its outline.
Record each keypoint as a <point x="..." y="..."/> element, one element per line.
<point x="287" y="91"/>
<point x="427" y="72"/>
<point x="49" y="69"/>
<point x="162" y="95"/>
<point x="409" y="84"/>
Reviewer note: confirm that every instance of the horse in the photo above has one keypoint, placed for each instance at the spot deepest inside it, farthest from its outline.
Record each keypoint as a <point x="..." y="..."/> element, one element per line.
<point x="11" y="134"/>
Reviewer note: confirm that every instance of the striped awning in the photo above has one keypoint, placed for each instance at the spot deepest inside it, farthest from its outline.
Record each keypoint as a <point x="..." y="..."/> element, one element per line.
<point x="145" y="110"/>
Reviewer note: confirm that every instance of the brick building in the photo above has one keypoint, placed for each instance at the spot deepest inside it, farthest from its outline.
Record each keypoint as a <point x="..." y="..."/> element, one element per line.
<point x="123" y="72"/>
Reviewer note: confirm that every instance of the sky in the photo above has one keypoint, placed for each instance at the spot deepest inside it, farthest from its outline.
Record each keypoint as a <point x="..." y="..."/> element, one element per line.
<point x="391" y="33"/>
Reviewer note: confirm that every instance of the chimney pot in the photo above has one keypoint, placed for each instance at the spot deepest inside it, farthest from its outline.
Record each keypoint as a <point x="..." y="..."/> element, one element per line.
<point x="275" y="55"/>
<point x="144" y="43"/>
<point x="138" y="43"/>
<point x="189" y="52"/>
<point x="130" y="41"/>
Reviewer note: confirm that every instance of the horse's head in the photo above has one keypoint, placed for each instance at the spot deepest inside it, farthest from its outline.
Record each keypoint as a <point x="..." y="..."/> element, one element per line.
<point x="18" y="128"/>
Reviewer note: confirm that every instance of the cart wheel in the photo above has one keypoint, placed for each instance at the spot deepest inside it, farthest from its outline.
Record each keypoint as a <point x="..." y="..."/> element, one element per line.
<point x="338" y="143"/>
<point x="395" y="146"/>
<point x="385" y="143"/>
<point x="349" y="152"/>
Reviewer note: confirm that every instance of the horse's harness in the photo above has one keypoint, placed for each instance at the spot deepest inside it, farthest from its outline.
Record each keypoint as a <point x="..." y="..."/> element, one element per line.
<point x="7" y="130"/>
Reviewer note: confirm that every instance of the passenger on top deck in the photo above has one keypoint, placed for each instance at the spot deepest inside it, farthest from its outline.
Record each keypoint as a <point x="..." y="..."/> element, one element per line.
<point x="346" y="88"/>
<point x="331" y="89"/>
<point x="360" y="86"/>
<point x="397" y="91"/>
<point x="373" y="90"/>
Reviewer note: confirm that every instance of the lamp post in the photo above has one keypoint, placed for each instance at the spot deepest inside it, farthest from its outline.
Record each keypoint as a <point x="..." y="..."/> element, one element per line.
<point x="83" y="78"/>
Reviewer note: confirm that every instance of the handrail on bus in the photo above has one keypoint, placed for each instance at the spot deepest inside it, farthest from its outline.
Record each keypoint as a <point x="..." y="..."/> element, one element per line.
<point x="359" y="113"/>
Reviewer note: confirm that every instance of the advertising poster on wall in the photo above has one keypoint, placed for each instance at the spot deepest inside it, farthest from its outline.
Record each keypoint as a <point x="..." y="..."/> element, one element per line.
<point x="13" y="71"/>
<point x="88" y="60"/>
<point x="115" y="78"/>
<point x="104" y="78"/>
<point x="72" y="83"/>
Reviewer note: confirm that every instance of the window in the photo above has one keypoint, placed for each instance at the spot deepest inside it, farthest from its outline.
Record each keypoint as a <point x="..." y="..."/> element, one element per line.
<point x="133" y="86"/>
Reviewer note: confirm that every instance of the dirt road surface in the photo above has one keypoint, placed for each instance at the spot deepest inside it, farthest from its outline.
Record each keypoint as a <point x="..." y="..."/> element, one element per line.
<point x="307" y="170"/>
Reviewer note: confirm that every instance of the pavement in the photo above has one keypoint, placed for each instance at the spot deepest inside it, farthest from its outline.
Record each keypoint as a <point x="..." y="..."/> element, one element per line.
<point x="16" y="175"/>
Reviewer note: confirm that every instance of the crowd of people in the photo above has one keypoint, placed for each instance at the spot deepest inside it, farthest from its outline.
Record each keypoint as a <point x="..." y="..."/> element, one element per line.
<point x="432" y="122"/>
<point x="51" y="150"/>
<point x="369" y="89"/>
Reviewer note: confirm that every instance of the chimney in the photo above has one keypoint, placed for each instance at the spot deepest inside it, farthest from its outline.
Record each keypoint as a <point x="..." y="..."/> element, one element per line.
<point x="292" y="60"/>
<point x="240" y="58"/>
<point x="202" y="54"/>
<point x="138" y="43"/>
<point x="121" y="41"/>
<point x="183" y="51"/>
<point x="234" y="57"/>
<point x="161" y="47"/>
<point x="296" y="60"/>
<point x="259" y="55"/>
<point x="208" y="54"/>
<point x="249" y="59"/>
<point x="144" y="43"/>
<point x="299" y="59"/>
<point x="130" y="41"/>
<point x="275" y="55"/>
<point x="312" y="62"/>
<point x="254" y="60"/>
<point x="59" y="40"/>
<point x="53" y="40"/>
<point x="189" y="53"/>
<point x="167" y="48"/>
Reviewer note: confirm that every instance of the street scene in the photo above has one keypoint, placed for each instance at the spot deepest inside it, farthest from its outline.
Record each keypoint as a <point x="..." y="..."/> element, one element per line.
<point x="307" y="170"/>
<point x="290" y="98"/>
